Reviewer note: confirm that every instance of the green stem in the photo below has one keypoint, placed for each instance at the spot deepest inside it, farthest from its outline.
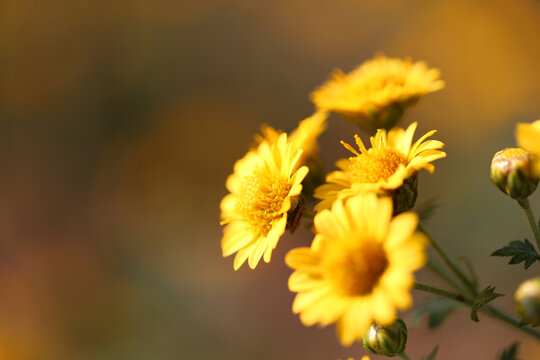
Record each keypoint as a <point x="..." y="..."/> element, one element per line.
<point x="440" y="273"/>
<point x="470" y="287"/>
<point x="404" y="356"/>
<point x="440" y="292"/>
<point x="524" y="203"/>
<point x="496" y="313"/>
<point x="488" y="310"/>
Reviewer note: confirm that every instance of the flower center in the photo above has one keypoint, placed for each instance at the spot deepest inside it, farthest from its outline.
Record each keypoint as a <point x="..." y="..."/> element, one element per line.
<point x="261" y="200"/>
<point x="376" y="165"/>
<point x="356" y="271"/>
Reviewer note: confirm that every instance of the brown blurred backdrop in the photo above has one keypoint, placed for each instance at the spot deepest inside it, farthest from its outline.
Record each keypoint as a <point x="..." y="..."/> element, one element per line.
<point x="120" y="121"/>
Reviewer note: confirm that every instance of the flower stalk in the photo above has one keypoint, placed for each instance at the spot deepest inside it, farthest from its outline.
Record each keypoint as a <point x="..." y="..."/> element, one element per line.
<point x="404" y="356"/>
<point x="457" y="271"/>
<point x="524" y="203"/>
<point x="488" y="310"/>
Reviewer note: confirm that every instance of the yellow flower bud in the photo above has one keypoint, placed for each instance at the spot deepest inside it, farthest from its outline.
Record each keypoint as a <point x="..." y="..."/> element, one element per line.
<point x="387" y="340"/>
<point x="527" y="299"/>
<point x="512" y="172"/>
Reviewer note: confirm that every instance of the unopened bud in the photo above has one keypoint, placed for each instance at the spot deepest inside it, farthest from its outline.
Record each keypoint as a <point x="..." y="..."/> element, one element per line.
<point x="527" y="299"/>
<point x="387" y="340"/>
<point x="512" y="172"/>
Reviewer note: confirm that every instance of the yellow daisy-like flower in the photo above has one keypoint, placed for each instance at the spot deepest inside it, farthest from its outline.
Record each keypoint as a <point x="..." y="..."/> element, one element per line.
<point x="391" y="160"/>
<point x="528" y="137"/>
<point x="263" y="189"/>
<point x="377" y="92"/>
<point x="359" y="267"/>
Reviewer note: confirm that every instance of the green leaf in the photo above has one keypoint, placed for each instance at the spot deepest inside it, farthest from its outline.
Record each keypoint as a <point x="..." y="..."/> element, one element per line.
<point x="436" y="309"/>
<point x="521" y="251"/>
<point x="509" y="353"/>
<point x="485" y="297"/>
<point x="432" y="355"/>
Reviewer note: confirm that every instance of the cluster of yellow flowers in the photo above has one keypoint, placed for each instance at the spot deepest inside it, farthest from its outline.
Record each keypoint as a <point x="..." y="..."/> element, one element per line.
<point x="359" y="267"/>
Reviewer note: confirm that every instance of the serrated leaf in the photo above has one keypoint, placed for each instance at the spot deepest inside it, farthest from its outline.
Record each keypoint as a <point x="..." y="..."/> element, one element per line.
<point x="487" y="295"/>
<point x="509" y="353"/>
<point x="432" y="355"/>
<point x="436" y="309"/>
<point x="521" y="251"/>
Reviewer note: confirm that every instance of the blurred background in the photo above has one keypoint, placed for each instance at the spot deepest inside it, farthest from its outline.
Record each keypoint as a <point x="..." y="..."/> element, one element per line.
<point x="121" y="120"/>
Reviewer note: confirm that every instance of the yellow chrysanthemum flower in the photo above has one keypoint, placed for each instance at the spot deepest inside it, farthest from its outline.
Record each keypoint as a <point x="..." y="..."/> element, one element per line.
<point x="528" y="137"/>
<point x="377" y="92"/>
<point x="263" y="189"/>
<point x="391" y="160"/>
<point x="359" y="267"/>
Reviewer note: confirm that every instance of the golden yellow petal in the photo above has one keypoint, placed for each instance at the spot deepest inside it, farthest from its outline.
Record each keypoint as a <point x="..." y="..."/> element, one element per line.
<point x="297" y="179"/>
<point x="327" y="224"/>
<point x="382" y="308"/>
<point x="302" y="258"/>
<point x="325" y="311"/>
<point x="228" y="206"/>
<point x="343" y="164"/>
<point x="409" y="255"/>
<point x="400" y="230"/>
<point x="354" y="322"/>
<point x="306" y="299"/>
<point x="396" y="179"/>
<point x="256" y="254"/>
<point x="528" y="136"/>
<point x="405" y="146"/>
<point x="301" y="281"/>
<point x="339" y="177"/>
<point x="278" y="228"/>
<point x="419" y="163"/>
<point x="241" y="257"/>
<point x="236" y="237"/>
<point x="397" y="293"/>
<point x="396" y="136"/>
<point x="418" y="142"/>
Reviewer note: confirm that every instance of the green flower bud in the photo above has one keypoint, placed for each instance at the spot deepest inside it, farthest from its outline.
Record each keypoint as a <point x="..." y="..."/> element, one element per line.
<point x="512" y="172"/>
<point x="387" y="340"/>
<point x="527" y="299"/>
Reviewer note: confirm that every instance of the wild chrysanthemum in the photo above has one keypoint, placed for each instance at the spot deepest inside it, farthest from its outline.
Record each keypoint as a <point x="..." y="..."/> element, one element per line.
<point x="528" y="137"/>
<point x="304" y="137"/>
<point x="377" y="92"/>
<point x="391" y="160"/>
<point x="264" y="187"/>
<point x="359" y="267"/>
